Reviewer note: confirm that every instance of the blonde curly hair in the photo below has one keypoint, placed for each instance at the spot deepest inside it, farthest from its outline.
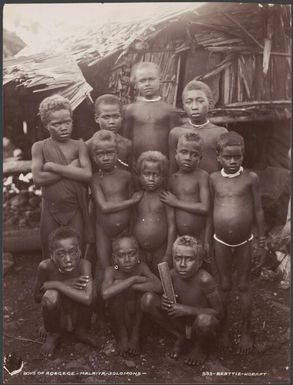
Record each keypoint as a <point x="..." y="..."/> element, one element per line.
<point x="51" y="104"/>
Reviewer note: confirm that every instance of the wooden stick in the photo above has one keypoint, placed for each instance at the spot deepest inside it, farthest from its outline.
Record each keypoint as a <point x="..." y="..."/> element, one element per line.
<point x="23" y="339"/>
<point x="259" y="102"/>
<point x="243" y="29"/>
<point x="166" y="281"/>
<point x="17" y="166"/>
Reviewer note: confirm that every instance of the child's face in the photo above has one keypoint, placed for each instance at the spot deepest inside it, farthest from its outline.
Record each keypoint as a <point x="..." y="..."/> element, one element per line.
<point x="188" y="156"/>
<point x="231" y="158"/>
<point x="150" y="176"/>
<point x="66" y="254"/>
<point x="60" y="125"/>
<point x="196" y="105"/>
<point x="105" y="155"/>
<point x="109" y="117"/>
<point x="185" y="262"/>
<point x="147" y="82"/>
<point x="126" y="255"/>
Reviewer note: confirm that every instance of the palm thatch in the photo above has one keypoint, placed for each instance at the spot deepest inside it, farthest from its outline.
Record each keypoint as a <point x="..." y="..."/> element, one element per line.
<point x="48" y="73"/>
<point x="244" y="49"/>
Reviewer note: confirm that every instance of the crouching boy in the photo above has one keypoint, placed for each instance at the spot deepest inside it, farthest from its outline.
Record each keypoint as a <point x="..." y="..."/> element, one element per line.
<point x="196" y="316"/>
<point x="124" y="284"/>
<point x="65" y="290"/>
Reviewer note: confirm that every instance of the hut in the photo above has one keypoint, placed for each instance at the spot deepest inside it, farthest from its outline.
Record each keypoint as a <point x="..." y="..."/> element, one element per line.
<point x="29" y="79"/>
<point x="242" y="50"/>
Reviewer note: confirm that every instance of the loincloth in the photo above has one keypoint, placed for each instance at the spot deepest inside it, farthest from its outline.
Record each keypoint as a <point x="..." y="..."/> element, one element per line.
<point x="233" y="246"/>
<point x="60" y="213"/>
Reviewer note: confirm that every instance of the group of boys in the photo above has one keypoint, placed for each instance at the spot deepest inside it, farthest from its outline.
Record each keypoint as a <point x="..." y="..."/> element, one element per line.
<point x="138" y="206"/>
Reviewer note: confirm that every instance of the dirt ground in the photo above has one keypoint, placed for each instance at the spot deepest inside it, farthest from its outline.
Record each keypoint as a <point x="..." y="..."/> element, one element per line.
<point x="77" y="363"/>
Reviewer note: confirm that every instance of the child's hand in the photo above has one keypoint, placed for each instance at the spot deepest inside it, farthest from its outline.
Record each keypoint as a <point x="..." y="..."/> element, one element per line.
<point x="140" y="279"/>
<point x="165" y="302"/>
<point x="136" y="197"/>
<point x="208" y="252"/>
<point x="262" y="258"/>
<point x="177" y="310"/>
<point x="168" y="198"/>
<point x="49" y="166"/>
<point x="79" y="283"/>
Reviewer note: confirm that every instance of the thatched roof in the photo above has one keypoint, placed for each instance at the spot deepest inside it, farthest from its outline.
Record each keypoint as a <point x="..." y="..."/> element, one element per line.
<point x="252" y="43"/>
<point x="229" y="29"/>
<point x="48" y="72"/>
<point x="249" y="62"/>
<point x="219" y="27"/>
<point x="92" y="43"/>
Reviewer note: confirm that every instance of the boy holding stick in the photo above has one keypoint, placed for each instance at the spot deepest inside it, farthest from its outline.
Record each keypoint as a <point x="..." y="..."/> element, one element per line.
<point x="197" y="314"/>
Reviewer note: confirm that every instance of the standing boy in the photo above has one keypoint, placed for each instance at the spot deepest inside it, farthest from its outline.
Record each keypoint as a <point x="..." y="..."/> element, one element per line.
<point x="197" y="99"/>
<point x="109" y="117"/>
<point x="65" y="289"/>
<point x="123" y="286"/>
<point x="197" y="314"/>
<point x="112" y="191"/>
<point x="236" y="206"/>
<point x="188" y="188"/>
<point x="61" y="166"/>
<point x="149" y="120"/>
<point x="153" y="221"/>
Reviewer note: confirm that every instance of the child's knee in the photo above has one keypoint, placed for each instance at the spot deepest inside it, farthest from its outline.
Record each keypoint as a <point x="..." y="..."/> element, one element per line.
<point x="147" y="301"/>
<point x="50" y="299"/>
<point x="205" y="324"/>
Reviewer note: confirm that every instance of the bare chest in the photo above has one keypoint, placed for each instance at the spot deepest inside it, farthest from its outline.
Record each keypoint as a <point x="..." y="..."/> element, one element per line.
<point x="113" y="186"/>
<point x="151" y="204"/>
<point x="189" y="292"/>
<point x="186" y="187"/>
<point x="151" y="115"/>
<point x="226" y="188"/>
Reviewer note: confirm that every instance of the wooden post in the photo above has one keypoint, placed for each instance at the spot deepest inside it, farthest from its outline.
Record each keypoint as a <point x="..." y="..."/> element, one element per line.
<point x="177" y="80"/>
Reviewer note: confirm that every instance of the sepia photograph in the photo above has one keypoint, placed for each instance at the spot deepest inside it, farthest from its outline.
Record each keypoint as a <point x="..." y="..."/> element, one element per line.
<point x="146" y="226"/>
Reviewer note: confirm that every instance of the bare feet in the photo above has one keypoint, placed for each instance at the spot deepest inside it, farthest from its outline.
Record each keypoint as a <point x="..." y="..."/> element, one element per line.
<point x="177" y="348"/>
<point x="85" y="338"/>
<point x="245" y="344"/>
<point x="98" y="323"/>
<point x="50" y="345"/>
<point x="42" y="333"/>
<point x="196" y="357"/>
<point x="123" y="343"/>
<point x="224" y="342"/>
<point x="66" y="323"/>
<point x="134" y="346"/>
